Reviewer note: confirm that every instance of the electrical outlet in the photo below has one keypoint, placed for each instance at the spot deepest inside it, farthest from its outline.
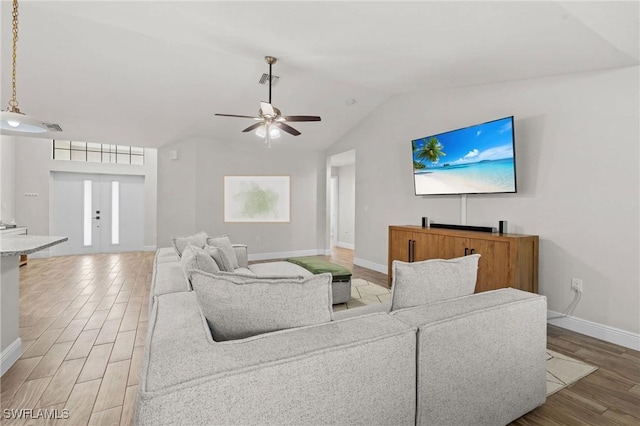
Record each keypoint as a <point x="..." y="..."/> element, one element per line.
<point x="576" y="284"/>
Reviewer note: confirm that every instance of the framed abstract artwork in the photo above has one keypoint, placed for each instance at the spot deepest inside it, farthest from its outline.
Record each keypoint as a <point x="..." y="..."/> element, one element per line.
<point x="257" y="199"/>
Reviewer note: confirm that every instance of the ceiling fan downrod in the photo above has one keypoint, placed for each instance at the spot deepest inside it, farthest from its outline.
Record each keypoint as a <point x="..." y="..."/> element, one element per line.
<point x="270" y="60"/>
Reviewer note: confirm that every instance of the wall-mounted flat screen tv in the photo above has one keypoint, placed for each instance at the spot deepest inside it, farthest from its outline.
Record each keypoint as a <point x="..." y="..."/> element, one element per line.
<point x="478" y="159"/>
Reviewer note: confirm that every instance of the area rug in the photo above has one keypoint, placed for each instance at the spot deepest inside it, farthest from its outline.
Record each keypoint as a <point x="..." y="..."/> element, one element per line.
<point x="562" y="370"/>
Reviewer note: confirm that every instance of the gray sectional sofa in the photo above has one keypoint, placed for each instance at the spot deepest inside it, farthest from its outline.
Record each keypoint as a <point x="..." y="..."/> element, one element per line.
<point x="168" y="266"/>
<point x="471" y="360"/>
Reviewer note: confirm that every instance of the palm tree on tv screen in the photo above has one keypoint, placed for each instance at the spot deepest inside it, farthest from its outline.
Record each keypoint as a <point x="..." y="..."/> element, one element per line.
<point x="418" y="165"/>
<point x="430" y="151"/>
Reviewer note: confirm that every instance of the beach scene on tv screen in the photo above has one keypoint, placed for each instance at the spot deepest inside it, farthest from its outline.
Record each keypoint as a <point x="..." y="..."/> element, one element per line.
<point x="476" y="159"/>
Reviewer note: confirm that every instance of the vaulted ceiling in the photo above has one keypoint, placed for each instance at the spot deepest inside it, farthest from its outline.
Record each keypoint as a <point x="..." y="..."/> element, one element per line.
<point x="147" y="73"/>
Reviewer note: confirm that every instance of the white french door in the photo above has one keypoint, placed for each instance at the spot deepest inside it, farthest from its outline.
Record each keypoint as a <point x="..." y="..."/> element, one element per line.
<point x="99" y="213"/>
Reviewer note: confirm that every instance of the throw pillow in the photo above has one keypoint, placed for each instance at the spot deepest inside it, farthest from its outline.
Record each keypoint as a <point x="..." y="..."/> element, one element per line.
<point x="240" y="307"/>
<point x="196" y="258"/>
<point x="433" y="280"/>
<point x="224" y="244"/>
<point x="221" y="259"/>
<point x="198" y="239"/>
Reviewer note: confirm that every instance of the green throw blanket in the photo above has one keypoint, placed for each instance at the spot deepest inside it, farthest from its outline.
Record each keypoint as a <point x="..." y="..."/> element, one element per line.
<point x="319" y="266"/>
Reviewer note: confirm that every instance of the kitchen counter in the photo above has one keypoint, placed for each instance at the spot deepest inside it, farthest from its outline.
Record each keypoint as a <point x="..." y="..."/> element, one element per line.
<point x="6" y="230"/>
<point x="13" y="246"/>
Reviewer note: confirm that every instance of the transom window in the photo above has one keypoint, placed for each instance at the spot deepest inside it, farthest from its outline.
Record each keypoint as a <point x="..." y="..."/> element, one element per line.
<point x="97" y="152"/>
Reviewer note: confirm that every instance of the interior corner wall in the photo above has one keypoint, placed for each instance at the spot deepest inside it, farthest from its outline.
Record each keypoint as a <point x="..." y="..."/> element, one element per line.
<point x="190" y="193"/>
<point x="34" y="164"/>
<point x="7" y="177"/>
<point x="577" y="159"/>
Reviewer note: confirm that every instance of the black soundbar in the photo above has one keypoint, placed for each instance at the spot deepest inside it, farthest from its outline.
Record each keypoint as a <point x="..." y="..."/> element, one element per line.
<point x="463" y="227"/>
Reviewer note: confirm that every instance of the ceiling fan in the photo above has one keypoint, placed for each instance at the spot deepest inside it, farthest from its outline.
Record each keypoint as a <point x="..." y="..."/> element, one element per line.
<point x="270" y="119"/>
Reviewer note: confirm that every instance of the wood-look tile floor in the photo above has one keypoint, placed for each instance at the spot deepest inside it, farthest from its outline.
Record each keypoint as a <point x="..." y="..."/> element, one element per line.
<point x="84" y="320"/>
<point x="83" y="323"/>
<point x="608" y="396"/>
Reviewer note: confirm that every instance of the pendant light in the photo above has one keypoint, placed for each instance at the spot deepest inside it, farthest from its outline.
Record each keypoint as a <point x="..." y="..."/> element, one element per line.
<point x="13" y="119"/>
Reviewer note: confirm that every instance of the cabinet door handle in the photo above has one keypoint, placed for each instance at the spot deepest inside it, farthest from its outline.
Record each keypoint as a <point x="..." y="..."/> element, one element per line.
<point x="473" y="251"/>
<point x="413" y="250"/>
<point x="409" y="251"/>
<point x="466" y="251"/>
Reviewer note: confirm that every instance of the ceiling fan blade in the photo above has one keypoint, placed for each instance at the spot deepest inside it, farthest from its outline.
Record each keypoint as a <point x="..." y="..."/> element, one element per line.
<point x="287" y="128"/>
<point x="253" y="127"/>
<point x="267" y="109"/>
<point x="239" y="116"/>
<point x="301" y="118"/>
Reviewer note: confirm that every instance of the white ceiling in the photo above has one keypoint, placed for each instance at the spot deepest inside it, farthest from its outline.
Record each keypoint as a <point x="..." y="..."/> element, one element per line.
<point x="147" y="73"/>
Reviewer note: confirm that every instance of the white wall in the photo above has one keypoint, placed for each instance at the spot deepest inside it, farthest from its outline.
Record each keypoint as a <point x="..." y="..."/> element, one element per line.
<point x="190" y="194"/>
<point x="7" y="177"/>
<point x="34" y="164"/>
<point x="346" y="205"/>
<point x="577" y="163"/>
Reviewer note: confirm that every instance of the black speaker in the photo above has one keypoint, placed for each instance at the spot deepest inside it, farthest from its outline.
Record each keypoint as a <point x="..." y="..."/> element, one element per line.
<point x="463" y="227"/>
<point x="502" y="227"/>
<point x="425" y="222"/>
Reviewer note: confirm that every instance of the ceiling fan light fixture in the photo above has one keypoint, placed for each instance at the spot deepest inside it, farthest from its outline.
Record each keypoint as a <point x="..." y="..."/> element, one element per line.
<point x="274" y="132"/>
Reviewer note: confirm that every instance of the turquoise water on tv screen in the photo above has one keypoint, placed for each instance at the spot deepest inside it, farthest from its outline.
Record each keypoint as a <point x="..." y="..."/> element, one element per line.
<point x="498" y="173"/>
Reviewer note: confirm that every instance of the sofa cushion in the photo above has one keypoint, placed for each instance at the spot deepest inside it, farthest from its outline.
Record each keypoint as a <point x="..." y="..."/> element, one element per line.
<point x="197" y="258"/>
<point x="199" y="239"/>
<point x="223" y="262"/>
<point x="241" y="255"/>
<point x="168" y="277"/>
<point x="433" y="280"/>
<point x="166" y="254"/>
<point x="237" y="307"/>
<point x="224" y="244"/>
<point x="282" y="269"/>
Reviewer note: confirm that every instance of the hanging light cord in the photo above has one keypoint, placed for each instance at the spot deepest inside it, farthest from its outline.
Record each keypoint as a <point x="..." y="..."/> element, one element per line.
<point x="13" y="103"/>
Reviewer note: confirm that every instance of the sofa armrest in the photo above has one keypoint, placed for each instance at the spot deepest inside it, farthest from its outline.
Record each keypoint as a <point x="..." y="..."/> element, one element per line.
<point x="481" y="358"/>
<point x="317" y="374"/>
<point x="242" y="255"/>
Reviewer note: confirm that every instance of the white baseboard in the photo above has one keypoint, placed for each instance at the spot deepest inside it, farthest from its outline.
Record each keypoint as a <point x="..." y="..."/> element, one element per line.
<point x="285" y="254"/>
<point x="345" y="245"/>
<point x="43" y="254"/>
<point x="10" y="355"/>
<point x="599" y="331"/>
<point x="370" y="265"/>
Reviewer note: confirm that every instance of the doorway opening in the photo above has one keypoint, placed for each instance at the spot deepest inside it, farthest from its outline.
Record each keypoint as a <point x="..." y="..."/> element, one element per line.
<point x="342" y="200"/>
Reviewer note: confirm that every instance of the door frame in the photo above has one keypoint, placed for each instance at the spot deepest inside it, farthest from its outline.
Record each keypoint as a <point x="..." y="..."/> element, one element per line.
<point x="112" y="176"/>
<point x="337" y="160"/>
